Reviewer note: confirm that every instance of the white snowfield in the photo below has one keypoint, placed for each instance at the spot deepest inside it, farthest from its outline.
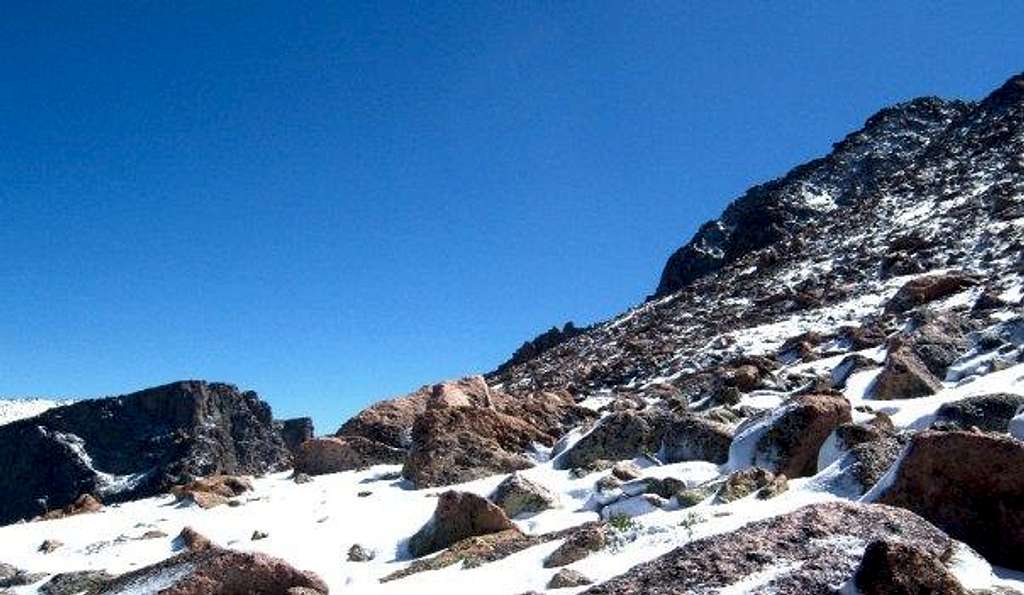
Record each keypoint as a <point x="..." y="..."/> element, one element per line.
<point x="313" y="525"/>
<point x="15" y="409"/>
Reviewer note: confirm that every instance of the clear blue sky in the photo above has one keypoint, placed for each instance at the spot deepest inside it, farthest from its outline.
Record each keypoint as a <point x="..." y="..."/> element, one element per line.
<point x="331" y="203"/>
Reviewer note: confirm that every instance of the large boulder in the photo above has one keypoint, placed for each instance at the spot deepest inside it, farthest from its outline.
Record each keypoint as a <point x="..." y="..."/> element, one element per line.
<point x="970" y="485"/>
<point x="904" y="375"/>
<point x="334" y="455"/>
<point x="295" y="431"/>
<point x="928" y="288"/>
<point x="619" y="436"/>
<point x="937" y="340"/>
<point x="864" y="453"/>
<point x="786" y="440"/>
<point x="518" y="495"/>
<point x="388" y="422"/>
<point x="896" y="568"/>
<point x="810" y="550"/>
<point x="694" y="438"/>
<point x="458" y="444"/>
<point x="216" y="571"/>
<point x="991" y="413"/>
<point x="458" y="515"/>
<point x="208" y="492"/>
<point x="75" y="582"/>
<point x="134" y="446"/>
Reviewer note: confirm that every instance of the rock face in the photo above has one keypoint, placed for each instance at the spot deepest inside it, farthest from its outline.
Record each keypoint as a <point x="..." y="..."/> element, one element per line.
<point x="801" y="549"/>
<point x="970" y="486"/>
<point x="295" y="431"/>
<point x="897" y="568"/>
<point x="991" y="413"/>
<point x="133" y="446"/>
<point x="458" y="444"/>
<point x="619" y="436"/>
<point x="787" y="441"/>
<point x="458" y="515"/>
<point x="217" y="571"/>
<point x="334" y="455"/>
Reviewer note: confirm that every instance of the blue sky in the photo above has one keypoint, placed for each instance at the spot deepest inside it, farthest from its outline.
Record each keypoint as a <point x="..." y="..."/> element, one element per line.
<point x="331" y="203"/>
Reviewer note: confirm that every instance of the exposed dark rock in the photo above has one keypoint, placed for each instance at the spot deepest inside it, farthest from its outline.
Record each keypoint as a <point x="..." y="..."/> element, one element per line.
<point x="358" y="553"/>
<point x="896" y="568"/>
<point x="458" y="444"/>
<point x="991" y="413"/>
<point x="801" y="546"/>
<point x="295" y="431"/>
<point x="745" y="482"/>
<point x="970" y="486"/>
<point x="209" y="492"/>
<point x="320" y="456"/>
<point x="929" y="288"/>
<point x="151" y="440"/>
<point x="904" y="376"/>
<point x="693" y="438"/>
<point x="566" y="578"/>
<point x="73" y="583"/>
<point x="581" y="543"/>
<point x="619" y="436"/>
<point x="218" y="571"/>
<point x="547" y="340"/>
<point x="12" y="576"/>
<point x="518" y="495"/>
<point x="84" y="504"/>
<point x="458" y="515"/>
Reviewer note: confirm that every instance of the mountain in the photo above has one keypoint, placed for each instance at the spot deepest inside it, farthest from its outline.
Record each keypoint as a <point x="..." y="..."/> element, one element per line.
<point x="825" y="393"/>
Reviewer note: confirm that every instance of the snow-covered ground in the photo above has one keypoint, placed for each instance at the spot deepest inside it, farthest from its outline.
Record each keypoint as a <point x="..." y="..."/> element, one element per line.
<point x="313" y="525"/>
<point x="15" y="409"/>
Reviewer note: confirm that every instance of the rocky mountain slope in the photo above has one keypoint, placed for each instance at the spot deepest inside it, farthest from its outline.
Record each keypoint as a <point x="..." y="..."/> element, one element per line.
<point x="825" y="394"/>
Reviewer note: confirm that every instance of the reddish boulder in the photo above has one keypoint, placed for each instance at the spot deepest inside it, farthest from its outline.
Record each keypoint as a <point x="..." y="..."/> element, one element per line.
<point x="334" y="455"/>
<point x="929" y="288"/>
<point x="458" y="444"/>
<point x="895" y="568"/>
<point x="904" y="376"/>
<point x="458" y="515"/>
<point x="968" y="484"/>
<point x="218" y="571"/>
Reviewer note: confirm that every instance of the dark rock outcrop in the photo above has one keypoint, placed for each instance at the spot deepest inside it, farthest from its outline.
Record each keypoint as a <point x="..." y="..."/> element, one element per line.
<point x="904" y="376"/>
<point x="295" y="431"/>
<point x="968" y="484"/>
<point x="799" y="546"/>
<point x="929" y="288"/>
<point x="620" y="436"/>
<point x="548" y="339"/>
<point x="458" y="515"/>
<point x="991" y="413"/>
<point x="897" y="568"/>
<point x="693" y="438"/>
<point x="133" y="446"/>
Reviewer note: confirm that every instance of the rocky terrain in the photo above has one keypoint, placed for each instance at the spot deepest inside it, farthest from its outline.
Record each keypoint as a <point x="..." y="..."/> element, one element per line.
<point x="824" y="394"/>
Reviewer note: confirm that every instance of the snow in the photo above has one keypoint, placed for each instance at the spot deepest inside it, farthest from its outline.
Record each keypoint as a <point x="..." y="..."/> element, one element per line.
<point x="15" y="409"/>
<point x="1017" y="425"/>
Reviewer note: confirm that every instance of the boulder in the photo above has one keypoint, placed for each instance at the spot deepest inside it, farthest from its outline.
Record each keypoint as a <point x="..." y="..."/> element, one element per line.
<point x="388" y="422"/>
<point x="568" y="577"/>
<point x="850" y="364"/>
<point x="84" y="504"/>
<point x="740" y="484"/>
<point x="466" y="392"/>
<point x="218" y="571"/>
<point x="991" y="413"/>
<point x="904" y="376"/>
<point x="864" y="452"/>
<point x="320" y="456"/>
<point x="619" y="436"/>
<point x="12" y="576"/>
<point x="937" y="340"/>
<point x="294" y="432"/>
<point x="581" y="543"/>
<point x="458" y="515"/>
<point x="74" y="583"/>
<point x="134" y="446"/>
<point x="458" y="444"/>
<point x="694" y="438"/>
<point x="928" y="288"/>
<point x="209" y="492"/>
<point x="518" y="495"/>
<point x="968" y="484"/>
<point x="786" y="441"/>
<point x="892" y="567"/>
<point x="798" y="552"/>
<point x="192" y="540"/>
<point x="358" y="553"/>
